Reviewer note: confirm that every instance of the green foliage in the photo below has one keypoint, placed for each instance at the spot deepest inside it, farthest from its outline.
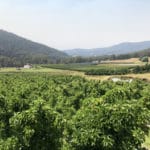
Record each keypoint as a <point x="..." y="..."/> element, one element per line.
<point x="110" y="126"/>
<point x="144" y="59"/>
<point x="107" y="71"/>
<point x="141" y="69"/>
<point x="39" y="111"/>
<point x="119" y="71"/>
<point x="38" y="127"/>
<point x="139" y="54"/>
<point x="89" y="69"/>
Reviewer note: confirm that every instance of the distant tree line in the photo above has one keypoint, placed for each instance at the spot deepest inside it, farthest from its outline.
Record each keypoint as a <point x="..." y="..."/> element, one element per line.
<point x="108" y="71"/>
<point x="11" y="60"/>
<point x="18" y="62"/>
<point x="79" y="59"/>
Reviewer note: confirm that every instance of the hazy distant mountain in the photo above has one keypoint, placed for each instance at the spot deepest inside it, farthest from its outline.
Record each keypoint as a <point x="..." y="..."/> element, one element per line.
<point x="138" y="54"/>
<point x="17" y="50"/>
<point x="122" y="48"/>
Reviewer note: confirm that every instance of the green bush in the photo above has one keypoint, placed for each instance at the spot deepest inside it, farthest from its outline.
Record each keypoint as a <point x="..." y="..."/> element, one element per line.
<point x="144" y="59"/>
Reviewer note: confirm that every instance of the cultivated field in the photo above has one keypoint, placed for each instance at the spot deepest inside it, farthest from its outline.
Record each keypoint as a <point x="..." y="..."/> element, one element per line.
<point x="78" y="70"/>
<point x="63" y="109"/>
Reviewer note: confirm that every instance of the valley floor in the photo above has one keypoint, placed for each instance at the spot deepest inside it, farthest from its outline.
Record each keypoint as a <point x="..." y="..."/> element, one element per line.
<point x="52" y="71"/>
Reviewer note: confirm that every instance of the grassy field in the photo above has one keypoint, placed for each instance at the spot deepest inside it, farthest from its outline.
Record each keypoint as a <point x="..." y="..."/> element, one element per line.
<point x="76" y="73"/>
<point x="36" y="70"/>
<point x="131" y="61"/>
<point x="53" y="72"/>
<point x="79" y="69"/>
<point x="85" y="67"/>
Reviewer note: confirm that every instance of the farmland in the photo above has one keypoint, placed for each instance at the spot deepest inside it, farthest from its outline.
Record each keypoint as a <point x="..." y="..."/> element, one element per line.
<point x="74" y="75"/>
<point x="69" y="112"/>
<point x="85" y="67"/>
<point x="78" y="70"/>
<point x="69" y="99"/>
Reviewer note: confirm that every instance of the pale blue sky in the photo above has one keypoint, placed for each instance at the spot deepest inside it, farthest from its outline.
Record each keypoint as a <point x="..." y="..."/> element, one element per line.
<point x="67" y="24"/>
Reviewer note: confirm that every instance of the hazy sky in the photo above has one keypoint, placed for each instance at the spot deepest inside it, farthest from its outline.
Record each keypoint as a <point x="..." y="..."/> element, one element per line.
<point x="67" y="24"/>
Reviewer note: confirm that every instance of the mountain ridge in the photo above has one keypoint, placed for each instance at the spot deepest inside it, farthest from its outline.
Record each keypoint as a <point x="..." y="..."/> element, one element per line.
<point x="21" y="50"/>
<point x="117" y="49"/>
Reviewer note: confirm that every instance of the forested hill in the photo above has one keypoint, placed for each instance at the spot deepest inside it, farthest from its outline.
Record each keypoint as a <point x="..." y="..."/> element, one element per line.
<point x="122" y="48"/>
<point x="16" y="51"/>
<point x="142" y="53"/>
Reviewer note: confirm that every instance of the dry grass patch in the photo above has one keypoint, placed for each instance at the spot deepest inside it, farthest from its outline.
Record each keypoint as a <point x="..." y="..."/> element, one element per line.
<point x="125" y="61"/>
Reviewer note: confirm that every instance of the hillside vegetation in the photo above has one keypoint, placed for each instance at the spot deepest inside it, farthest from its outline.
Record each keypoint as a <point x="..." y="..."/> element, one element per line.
<point x="142" y="53"/>
<point x="16" y="51"/>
